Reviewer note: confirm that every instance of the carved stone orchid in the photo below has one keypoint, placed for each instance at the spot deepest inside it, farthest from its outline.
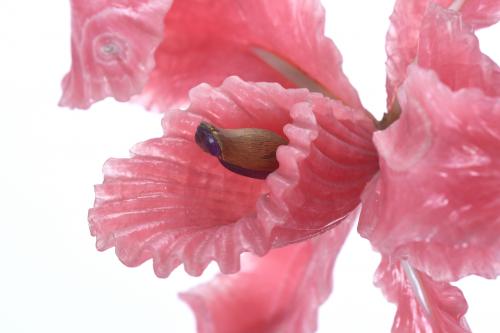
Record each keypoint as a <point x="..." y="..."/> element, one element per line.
<point x="428" y="182"/>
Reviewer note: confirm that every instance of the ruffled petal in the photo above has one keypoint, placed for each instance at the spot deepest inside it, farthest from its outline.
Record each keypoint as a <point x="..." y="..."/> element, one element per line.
<point x="176" y="204"/>
<point x="280" y="292"/>
<point x="112" y="46"/>
<point x="435" y="200"/>
<point x="449" y="47"/>
<point x="423" y="305"/>
<point x="323" y="169"/>
<point x="404" y="35"/>
<point x="273" y="41"/>
<point x="481" y="13"/>
<point x="402" y="41"/>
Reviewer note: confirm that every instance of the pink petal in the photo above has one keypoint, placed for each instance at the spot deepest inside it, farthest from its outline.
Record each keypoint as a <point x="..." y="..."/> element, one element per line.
<point x="207" y="41"/>
<point x="112" y="45"/>
<point x="176" y="204"/>
<point x="280" y="292"/>
<point x="481" y="13"/>
<point x="423" y="305"/>
<point x="448" y="46"/>
<point x="325" y="166"/>
<point x="403" y="37"/>
<point x="435" y="200"/>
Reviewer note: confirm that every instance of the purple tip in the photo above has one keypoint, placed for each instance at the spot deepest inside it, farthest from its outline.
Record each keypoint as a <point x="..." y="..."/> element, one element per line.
<point x="205" y="138"/>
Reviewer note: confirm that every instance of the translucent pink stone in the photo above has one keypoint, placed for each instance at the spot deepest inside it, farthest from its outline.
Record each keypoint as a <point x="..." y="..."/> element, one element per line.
<point x="112" y="46"/>
<point x="403" y="37"/>
<point x="207" y="41"/>
<point x="435" y="199"/>
<point x="280" y="292"/>
<point x="325" y="166"/>
<point x="195" y="42"/>
<point x="481" y="13"/>
<point x="448" y="46"/>
<point x="176" y="204"/>
<point x="423" y="305"/>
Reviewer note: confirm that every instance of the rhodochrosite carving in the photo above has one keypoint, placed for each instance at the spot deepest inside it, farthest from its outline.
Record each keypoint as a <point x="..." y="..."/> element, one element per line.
<point x="203" y="42"/>
<point x="435" y="307"/>
<point x="176" y="204"/>
<point x="287" y="286"/>
<point x="447" y="230"/>
<point x="429" y="182"/>
<point x="112" y="44"/>
<point x="402" y="43"/>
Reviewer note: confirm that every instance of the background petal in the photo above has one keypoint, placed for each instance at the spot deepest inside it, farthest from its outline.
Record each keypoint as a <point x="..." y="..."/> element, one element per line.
<point x="112" y="46"/>
<point x="207" y="41"/>
<point x="403" y="36"/>
<point x="176" y="204"/>
<point x="423" y="305"/>
<point x="280" y="292"/>
<point x="435" y="200"/>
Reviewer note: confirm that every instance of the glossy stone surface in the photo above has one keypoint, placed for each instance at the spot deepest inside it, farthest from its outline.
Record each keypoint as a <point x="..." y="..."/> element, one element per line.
<point x="434" y="201"/>
<point x="423" y="305"/>
<point x="174" y="203"/>
<point x="175" y="45"/>
<point x="112" y="49"/>
<point x="283" y="289"/>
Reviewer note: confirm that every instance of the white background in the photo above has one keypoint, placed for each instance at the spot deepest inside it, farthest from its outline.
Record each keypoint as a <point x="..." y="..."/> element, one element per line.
<point x="51" y="277"/>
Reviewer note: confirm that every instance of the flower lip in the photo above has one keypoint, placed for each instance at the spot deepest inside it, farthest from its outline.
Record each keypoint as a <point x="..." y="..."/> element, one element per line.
<point x="205" y="138"/>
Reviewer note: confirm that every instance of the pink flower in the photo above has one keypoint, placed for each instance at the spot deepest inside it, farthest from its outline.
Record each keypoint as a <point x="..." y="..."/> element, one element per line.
<point x="431" y="210"/>
<point x="176" y="204"/>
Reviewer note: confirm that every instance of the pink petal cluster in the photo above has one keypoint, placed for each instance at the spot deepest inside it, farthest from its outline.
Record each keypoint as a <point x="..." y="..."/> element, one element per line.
<point x="428" y="184"/>
<point x="199" y="41"/>
<point x="448" y="230"/>
<point x="207" y="41"/>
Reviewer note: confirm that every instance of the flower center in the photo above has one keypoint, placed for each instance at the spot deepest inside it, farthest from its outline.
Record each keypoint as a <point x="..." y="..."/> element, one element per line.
<point x="250" y="152"/>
